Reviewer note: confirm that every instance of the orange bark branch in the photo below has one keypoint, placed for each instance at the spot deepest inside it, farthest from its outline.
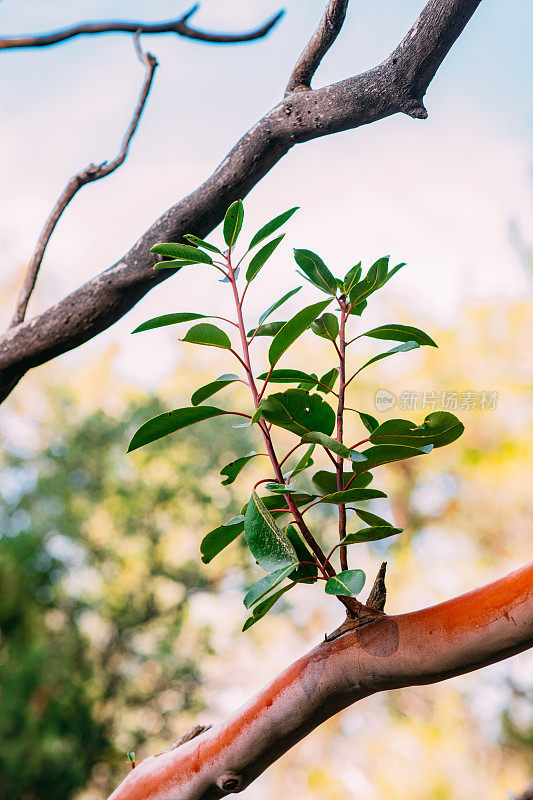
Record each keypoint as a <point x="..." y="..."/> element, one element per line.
<point x="427" y="646"/>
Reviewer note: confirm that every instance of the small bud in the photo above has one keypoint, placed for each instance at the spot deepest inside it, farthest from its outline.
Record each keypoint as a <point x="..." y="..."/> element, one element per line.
<point x="131" y="759"/>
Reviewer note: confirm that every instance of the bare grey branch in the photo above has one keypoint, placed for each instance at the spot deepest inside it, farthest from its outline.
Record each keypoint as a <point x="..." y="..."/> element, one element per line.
<point x="93" y="172"/>
<point x="177" y="26"/>
<point x="325" y="34"/>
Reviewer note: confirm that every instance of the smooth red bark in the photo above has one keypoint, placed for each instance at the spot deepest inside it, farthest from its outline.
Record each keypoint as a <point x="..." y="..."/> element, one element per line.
<point x="427" y="646"/>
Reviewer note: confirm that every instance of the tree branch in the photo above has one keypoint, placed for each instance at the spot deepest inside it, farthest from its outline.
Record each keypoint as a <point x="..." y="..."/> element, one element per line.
<point x="94" y="172"/>
<point x="428" y="646"/>
<point x="318" y="45"/>
<point x="395" y="86"/>
<point x="178" y="26"/>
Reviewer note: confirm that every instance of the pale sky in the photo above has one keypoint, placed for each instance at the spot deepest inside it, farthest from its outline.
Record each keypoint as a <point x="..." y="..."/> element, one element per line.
<point x="438" y="194"/>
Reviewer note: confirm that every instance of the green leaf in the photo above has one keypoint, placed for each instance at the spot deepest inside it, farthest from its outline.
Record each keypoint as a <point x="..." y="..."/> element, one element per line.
<point x="174" y="264"/>
<point x="327" y="381"/>
<point x="261" y="257"/>
<point x="309" y="383"/>
<point x="372" y="519"/>
<point x="266" y="584"/>
<point x="288" y="376"/>
<point x="315" y="269"/>
<point x="358" y="308"/>
<point x="442" y="428"/>
<point x="182" y="251"/>
<point x="171" y="421"/>
<point x="368" y="421"/>
<point x="269" y="329"/>
<point x="351" y="278"/>
<point x="284" y="488"/>
<point x="210" y="335"/>
<point x="293" y="329"/>
<point x="277" y="304"/>
<point x="305" y="462"/>
<point x="212" y="388"/>
<point x="299" y="412"/>
<point x="168" y="319"/>
<point x="233" y="222"/>
<point x="327" y="481"/>
<point x="216" y="540"/>
<point x="347" y="583"/>
<point x="375" y="278"/>
<point x="439" y="428"/>
<point x="352" y="496"/>
<point x="273" y="501"/>
<point x="315" y="437"/>
<point x="379" y="269"/>
<point x="264" y="607"/>
<point x="401" y="333"/>
<point x="372" y="534"/>
<point x="272" y="226"/>
<point x="401" y="348"/>
<point x="268" y="544"/>
<point x="326" y="326"/>
<point x="231" y="470"/>
<point x="394" y="270"/>
<point x="386" y="454"/>
<point x="201" y="243"/>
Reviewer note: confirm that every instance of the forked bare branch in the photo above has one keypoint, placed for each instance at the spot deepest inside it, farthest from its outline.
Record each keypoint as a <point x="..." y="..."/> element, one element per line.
<point x="318" y="45"/>
<point x="94" y="172"/>
<point x="178" y="26"/>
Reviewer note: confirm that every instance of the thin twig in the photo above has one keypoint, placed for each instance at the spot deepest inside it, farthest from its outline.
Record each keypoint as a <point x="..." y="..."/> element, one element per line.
<point x="177" y="26"/>
<point x="93" y="172"/>
<point x="318" y="45"/>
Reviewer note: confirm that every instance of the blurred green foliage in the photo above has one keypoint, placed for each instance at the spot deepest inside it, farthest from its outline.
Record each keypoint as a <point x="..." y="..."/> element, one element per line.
<point x="98" y="558"/>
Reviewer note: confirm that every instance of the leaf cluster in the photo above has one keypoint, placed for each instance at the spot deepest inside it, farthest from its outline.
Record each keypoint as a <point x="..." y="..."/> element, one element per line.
<point x="311" y="407"/>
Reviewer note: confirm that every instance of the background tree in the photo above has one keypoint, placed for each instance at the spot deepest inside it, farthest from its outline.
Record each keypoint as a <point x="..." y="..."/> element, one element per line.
<point x="97" y="570"/>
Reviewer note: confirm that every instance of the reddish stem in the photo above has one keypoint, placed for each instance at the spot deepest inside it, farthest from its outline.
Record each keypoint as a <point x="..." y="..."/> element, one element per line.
<point x="306" y="533"/>
<point x="261" y="393"/>
<point x="296" y="446"/>
<point x="363" y="441"/>
<point x="263" y="480"/>
<point x="340" y="420"/>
